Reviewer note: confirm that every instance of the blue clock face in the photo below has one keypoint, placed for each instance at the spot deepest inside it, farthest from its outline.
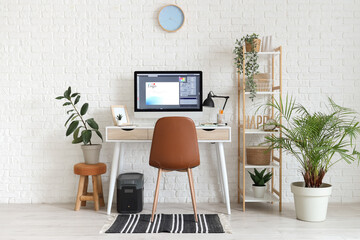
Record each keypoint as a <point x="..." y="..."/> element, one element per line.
<point x="171" y="18"/>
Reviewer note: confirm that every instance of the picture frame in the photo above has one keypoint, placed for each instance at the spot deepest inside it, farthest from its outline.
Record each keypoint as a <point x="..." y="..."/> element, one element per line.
<point x="120" y="109"/>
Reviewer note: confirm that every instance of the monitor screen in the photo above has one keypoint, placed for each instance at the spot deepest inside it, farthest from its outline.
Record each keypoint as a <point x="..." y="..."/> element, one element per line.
<point x="168" y="91"/>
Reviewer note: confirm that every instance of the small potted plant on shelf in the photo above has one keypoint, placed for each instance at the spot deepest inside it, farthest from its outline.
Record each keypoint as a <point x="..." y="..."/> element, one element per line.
<point x="317" y="141"/>
<point x="252" y="45"/>
<point x="81" y="129"/>
<point x="260" y="180"/>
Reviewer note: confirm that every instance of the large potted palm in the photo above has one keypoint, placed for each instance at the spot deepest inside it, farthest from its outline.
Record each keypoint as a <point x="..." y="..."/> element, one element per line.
<point x="317" y="141"/>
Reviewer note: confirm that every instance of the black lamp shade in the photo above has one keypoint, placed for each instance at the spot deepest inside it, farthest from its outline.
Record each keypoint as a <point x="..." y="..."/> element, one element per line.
<point x="208" y="102"/>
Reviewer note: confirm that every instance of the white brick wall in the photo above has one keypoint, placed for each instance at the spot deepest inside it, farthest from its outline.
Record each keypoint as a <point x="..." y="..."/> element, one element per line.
<point x="95" y="46"/>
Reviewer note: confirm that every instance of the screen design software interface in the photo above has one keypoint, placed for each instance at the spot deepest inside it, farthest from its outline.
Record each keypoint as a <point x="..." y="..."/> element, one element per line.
<point x="168" y="91"/>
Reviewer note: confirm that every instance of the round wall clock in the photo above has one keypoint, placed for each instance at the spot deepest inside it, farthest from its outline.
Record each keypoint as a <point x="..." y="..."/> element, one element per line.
<point x="171" y="18"/>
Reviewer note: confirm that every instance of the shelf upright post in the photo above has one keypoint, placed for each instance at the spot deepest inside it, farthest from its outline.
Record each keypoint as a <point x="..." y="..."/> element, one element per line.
<point x="280" y="156"/>
<point x="243" y="127"/>
<point x="239" y="126"/>
<point x="272" y="116"/>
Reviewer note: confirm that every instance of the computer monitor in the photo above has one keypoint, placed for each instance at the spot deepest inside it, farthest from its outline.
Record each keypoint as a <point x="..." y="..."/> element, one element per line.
<point x="167" y="93"/>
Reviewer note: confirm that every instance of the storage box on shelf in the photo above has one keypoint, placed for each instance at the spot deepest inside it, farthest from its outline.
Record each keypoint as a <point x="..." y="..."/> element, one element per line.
<point x="271" y="89"/>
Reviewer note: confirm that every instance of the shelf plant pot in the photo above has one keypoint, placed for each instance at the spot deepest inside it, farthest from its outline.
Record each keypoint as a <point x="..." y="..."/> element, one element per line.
<point x="311" y="203"/>
<point x="249" y="48"/>
<point x="258" y="155"/>
<point x="91" y="153"/>
<point x="259" y="191"/>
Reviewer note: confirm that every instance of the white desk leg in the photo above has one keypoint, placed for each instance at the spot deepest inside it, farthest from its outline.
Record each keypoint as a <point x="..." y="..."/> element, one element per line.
<point x="121" y="159"/>
<point x="220" y="177"/>
<point x="224" y="175"/>
<point x="114" y="169"/>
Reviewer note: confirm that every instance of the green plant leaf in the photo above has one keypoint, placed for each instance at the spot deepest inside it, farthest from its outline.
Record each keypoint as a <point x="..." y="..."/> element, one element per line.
<point x="92" y="123"/>
<point x="86" y="136"/>
<point x="77" y="99"/>
<point x="67" y="103"/>
<point x="59" y="97"/>
<point x="99" y="134"/>
<point x="69" y="119"/>
<point x="69" y="90"/>
<point x="77" y="140"/>
<point x="71" y="110"/>
<point x="84" y="109"/>
<point x="72" y="127"/>
<point x="74" y="94"/>
<point x="76" y="133"/>
<point x="67" y="95"/>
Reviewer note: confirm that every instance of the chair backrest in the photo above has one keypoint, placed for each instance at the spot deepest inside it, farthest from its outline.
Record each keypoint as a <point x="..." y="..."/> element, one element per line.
<point x="174" y="144"/>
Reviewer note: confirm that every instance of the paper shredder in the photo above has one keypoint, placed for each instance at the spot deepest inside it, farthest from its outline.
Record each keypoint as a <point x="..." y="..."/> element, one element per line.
<point x="130" y="192"/>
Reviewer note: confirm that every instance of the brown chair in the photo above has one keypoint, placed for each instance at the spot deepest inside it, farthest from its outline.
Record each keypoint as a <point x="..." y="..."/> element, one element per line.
<point x="174" y="148"/>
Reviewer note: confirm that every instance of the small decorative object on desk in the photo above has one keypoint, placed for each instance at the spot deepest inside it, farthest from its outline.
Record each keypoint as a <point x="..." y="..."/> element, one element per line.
<point x="120" y="115"/>
<point x="221" y="118"/>
<point x="91" y="151"/>
<point x="260" y="180"/>
<point x="118" y="119"/>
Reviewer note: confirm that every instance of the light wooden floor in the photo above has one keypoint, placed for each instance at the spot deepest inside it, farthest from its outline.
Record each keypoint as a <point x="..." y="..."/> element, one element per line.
<point x="260" y="221"/>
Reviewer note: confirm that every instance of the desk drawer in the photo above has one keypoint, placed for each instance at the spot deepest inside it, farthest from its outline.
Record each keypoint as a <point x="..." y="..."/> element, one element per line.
<point x="216" y="134"/>
<point x="121" y="134"/>
<point x="206" y="135"/>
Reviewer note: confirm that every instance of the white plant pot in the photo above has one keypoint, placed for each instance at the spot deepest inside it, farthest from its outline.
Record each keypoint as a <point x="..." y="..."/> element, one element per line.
<point x="118" y="122"/>
<point x="259" y="191"/>
<point x="311" y="203"/>
<point x="91" y="153"/>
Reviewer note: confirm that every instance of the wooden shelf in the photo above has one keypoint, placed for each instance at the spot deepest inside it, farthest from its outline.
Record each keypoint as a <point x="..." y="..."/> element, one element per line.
<point x="249" y="197"/>
<point x="272" y="165"/>
<point x="258" y="131"/>
<point x="266" y="53"/>
<point x="274" y="91"/>
<point x="263" y="93"/>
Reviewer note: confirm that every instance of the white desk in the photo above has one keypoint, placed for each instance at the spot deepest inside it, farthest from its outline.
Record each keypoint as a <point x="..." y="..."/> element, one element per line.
<point x="119" y="136"/>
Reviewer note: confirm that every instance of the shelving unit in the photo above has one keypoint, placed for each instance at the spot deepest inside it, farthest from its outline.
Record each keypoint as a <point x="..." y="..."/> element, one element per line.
<point x="273" y="194"/>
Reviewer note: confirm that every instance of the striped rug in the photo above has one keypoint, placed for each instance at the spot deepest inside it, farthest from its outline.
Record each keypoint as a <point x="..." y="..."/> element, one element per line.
<point x="165" y="223"/>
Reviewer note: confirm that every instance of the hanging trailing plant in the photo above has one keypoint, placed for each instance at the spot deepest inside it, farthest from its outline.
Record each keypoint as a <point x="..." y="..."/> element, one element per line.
<point x="251" y="65"/>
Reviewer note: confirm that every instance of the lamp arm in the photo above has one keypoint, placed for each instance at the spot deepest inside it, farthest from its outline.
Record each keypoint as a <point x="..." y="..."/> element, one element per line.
<point x="226" y="97"/>
<point x="225" y="103"/>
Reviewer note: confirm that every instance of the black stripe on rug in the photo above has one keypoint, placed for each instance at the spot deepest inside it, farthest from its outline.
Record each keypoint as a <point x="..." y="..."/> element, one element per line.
<point x="166" y="223"/>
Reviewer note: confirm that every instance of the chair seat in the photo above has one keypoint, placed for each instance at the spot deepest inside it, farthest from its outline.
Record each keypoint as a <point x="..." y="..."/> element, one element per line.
<point x="90" y="169"/>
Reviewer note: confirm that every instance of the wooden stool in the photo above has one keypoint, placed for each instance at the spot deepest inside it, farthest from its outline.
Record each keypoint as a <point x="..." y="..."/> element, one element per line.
<point x="86" y="170"/>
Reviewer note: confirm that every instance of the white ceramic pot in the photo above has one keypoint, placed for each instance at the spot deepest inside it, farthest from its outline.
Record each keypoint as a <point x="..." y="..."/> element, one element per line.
<point x="259" y="191"/>
<point x="91" y="153"/>
<point x="118" y="122"/>
<point x="311" y="203"/>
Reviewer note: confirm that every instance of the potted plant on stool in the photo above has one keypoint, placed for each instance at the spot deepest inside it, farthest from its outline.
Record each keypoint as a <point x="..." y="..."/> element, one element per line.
<point x="80" y="128"/>
<point x="260" y="180"/>
<point x="317" y="141"/>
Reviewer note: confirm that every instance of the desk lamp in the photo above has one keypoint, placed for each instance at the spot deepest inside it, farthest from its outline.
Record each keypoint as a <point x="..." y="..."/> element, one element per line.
<point x="209" y="102"/>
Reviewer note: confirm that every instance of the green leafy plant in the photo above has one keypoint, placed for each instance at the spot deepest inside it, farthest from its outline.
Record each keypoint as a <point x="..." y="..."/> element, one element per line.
<point x="315" y="139"/>
<point x="76" y="118"/>
<point x="119" y="117"/>
<point x="259" y="178"/>
<point x="251" y="65"/>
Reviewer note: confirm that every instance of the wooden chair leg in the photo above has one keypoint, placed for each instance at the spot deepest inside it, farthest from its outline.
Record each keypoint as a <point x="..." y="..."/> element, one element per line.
<point x="192" y="190"/>
<point x="156" y="195"/>
<point x="95" y="192"/>
<point x="79" y="193"/>
<point x="101" y="195"/>
<point x="86" y="183"/>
